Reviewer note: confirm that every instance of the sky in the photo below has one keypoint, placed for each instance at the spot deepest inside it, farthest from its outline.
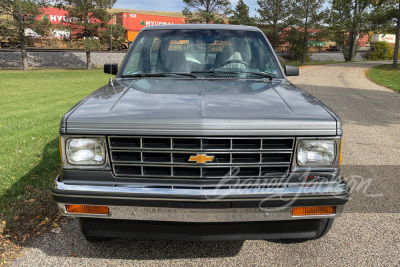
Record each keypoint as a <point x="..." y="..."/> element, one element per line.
<point x="171" y="5"/>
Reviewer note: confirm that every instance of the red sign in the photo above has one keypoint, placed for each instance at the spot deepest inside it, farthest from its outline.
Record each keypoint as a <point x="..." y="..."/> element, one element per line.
<point x="55" y="16"/>
<point x="136" y="22"/>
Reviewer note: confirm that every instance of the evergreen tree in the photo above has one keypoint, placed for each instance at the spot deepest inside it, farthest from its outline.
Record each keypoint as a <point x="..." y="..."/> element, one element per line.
<point x="273" y="19"/>
<point x="207" y="11"/>
<point x="18" y="15"/>
<point x="117" y="35"/>
<point x="308" y="16"/>
<point x="87" y="19"/>
<point x="241" y="15"/>
<point x="349" y="19"/>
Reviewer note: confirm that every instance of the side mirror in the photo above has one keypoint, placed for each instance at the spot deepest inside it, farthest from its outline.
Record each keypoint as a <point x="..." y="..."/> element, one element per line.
<point x="111" y="68"/>
<point x="291" y="70"/>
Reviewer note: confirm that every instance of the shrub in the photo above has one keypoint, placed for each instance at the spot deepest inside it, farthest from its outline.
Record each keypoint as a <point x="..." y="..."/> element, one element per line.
<point x="378" y="51"/>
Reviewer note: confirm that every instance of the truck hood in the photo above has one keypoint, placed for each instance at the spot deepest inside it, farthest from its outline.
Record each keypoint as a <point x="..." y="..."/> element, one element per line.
<point x="180" y="106"/>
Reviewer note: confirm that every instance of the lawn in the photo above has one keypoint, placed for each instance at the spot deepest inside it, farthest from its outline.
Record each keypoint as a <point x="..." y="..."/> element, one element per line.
<point x="31" y="106"/>
<point x="385" y="75"/>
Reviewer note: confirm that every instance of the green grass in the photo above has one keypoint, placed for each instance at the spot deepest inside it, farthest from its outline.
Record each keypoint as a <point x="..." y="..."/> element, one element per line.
<point x="385" y="75"/>
<point x="31" y="106"/>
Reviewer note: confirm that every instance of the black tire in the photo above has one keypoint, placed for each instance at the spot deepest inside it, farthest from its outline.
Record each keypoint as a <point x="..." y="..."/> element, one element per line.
<point x="326" y="225"/>
<point x="90" y="238"/>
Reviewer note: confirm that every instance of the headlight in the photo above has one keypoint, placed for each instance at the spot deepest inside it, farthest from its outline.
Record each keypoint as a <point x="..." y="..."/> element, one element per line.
<point x="85" y="151"/>
<point x="316" y="152"/>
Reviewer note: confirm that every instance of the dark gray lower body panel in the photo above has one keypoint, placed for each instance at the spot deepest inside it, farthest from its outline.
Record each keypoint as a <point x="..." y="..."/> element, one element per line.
<point x="302" y="229"/>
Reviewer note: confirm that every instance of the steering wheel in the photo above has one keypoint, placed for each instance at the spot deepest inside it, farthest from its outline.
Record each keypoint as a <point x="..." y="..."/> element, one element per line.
<point x="233" y="61"/>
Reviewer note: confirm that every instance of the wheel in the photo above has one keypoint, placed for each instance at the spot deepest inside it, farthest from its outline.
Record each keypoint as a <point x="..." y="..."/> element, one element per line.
<point x="233" y="61"/>
<point x="90" y="238"/>
<point x="326" y="225"/>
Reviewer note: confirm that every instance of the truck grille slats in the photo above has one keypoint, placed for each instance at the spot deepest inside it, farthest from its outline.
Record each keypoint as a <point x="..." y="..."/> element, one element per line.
<point x="119" y="156"/>
<point x="169" y="156"/>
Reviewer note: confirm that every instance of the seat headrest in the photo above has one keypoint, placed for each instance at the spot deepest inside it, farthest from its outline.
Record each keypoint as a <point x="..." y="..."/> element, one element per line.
<point x="222" y="57"/>
<point x="174" y="61"/>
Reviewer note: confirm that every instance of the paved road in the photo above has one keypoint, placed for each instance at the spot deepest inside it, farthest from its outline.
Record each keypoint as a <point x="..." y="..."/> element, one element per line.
<point x="368" y="234"/>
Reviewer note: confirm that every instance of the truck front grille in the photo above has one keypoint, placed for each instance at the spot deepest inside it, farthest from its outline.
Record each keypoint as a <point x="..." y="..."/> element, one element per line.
<point x="140" y="156"/>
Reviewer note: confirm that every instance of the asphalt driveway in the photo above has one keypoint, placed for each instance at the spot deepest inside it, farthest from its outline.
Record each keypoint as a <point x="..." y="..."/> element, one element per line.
<point x="367" y="234"/>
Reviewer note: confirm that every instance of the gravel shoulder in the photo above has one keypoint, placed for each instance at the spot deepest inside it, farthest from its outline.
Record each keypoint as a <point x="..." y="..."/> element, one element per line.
<point x="367" y="235"/>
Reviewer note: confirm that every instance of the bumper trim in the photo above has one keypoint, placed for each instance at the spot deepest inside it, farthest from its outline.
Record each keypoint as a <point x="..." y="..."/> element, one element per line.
<point x="199" y="215"/>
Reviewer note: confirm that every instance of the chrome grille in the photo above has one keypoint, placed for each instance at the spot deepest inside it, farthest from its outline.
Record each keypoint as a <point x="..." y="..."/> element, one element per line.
<point x="140" y="156"/>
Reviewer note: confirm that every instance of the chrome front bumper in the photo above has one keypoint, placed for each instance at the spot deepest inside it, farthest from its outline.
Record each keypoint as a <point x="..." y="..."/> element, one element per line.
<point x="264" y="207"/>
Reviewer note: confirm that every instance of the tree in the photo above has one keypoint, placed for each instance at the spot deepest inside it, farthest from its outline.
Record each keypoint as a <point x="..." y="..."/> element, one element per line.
<point x="308" y="16"/>
<point x="117" y="35"/>
<point x="273" y="19"/>
<point x="349" y="20"/>
<point x="241" y="15"/>
<point x="87" y="18"/>
<point x="207" y="11"/>
<point x="16" y="16"/>
<point x="386" y="17"/>
<point x="294" y="38"/>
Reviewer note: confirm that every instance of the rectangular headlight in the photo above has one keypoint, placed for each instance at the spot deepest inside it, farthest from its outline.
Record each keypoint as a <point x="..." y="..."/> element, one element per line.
<point x="85" y="151"/>
<point x="316" y="152"/>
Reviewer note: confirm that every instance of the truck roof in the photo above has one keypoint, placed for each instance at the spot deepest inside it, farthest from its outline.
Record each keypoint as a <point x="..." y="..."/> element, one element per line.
<point x="201" y="27"/>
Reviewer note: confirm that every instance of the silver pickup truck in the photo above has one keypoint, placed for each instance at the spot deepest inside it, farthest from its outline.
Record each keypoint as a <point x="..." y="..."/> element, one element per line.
<point x="200" y="136"/>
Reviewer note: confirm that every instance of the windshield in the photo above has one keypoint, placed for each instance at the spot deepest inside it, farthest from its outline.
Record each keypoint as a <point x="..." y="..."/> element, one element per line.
<point x="201" y="52"/>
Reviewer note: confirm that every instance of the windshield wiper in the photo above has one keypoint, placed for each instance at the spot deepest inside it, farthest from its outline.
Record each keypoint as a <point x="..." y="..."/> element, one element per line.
<point x="259" y="74"/>
<point x="180" y="73"/>
<point x="140" y="75"/>
<point x="215" y="72"/>
<point x="159" y="74"/>
<point x="236" y="73"/>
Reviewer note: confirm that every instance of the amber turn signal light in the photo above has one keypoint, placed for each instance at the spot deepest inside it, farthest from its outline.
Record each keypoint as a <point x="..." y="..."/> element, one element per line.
<point x="87" y="209"/>
<point x="306" y="211"/>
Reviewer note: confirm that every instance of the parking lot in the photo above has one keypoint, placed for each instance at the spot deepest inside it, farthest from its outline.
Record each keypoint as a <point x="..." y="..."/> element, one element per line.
<point x="367" y="234"/>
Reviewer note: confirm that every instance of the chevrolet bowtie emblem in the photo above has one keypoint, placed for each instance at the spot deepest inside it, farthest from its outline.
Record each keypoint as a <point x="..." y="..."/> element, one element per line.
<point x="203" y="158"/>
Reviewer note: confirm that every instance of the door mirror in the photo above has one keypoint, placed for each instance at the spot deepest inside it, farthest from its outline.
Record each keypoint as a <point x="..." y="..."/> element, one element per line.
<point x="111" y="68"/>
<point x="291" y="70"/>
